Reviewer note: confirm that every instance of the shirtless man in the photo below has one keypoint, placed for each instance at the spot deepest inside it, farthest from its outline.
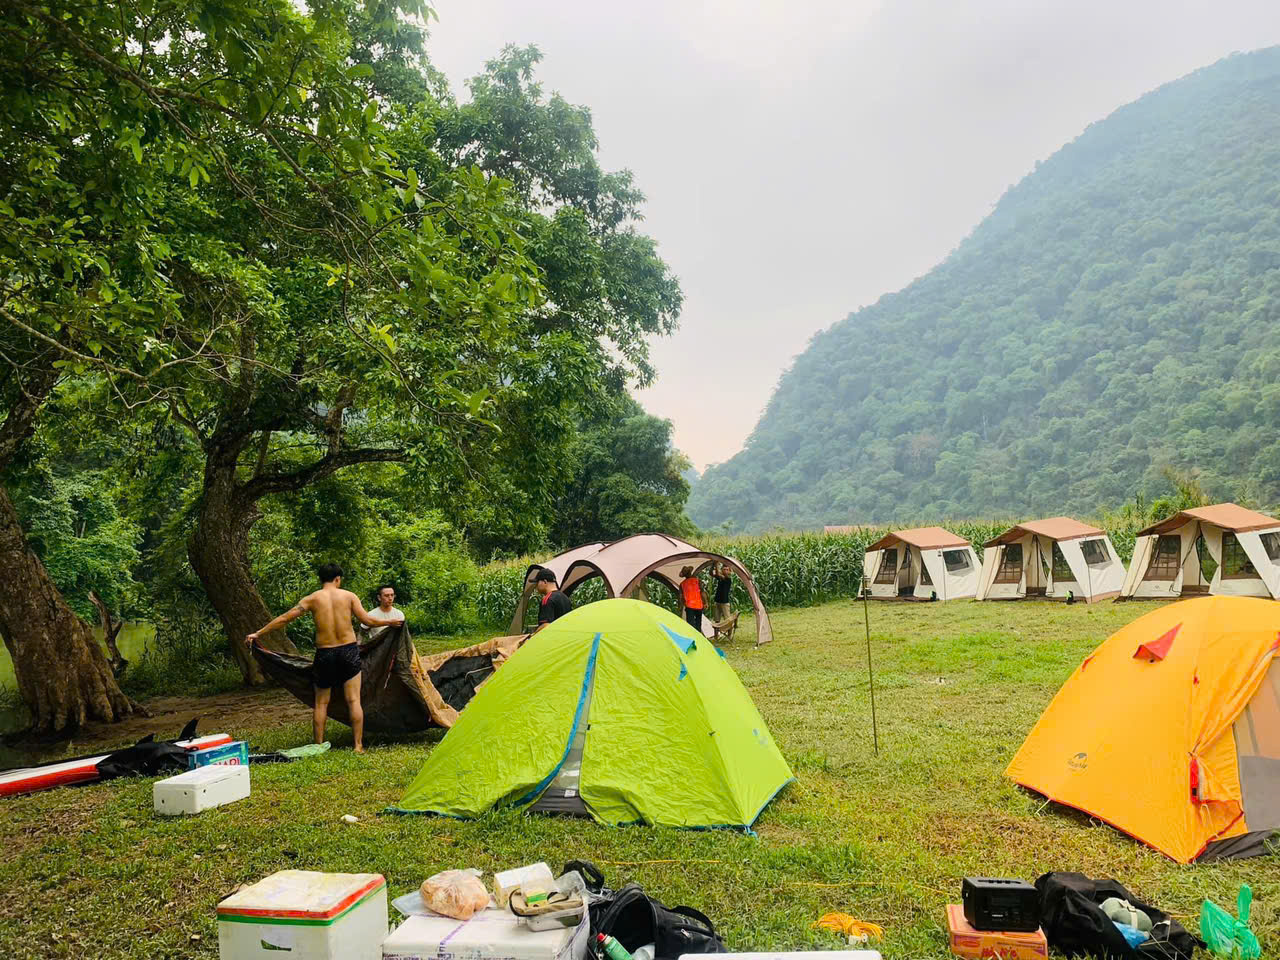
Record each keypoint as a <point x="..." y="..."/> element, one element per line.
<point x="337" y="662"/>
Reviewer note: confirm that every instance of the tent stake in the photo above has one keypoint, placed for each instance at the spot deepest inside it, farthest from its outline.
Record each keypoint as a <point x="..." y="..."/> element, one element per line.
<point x="866" y="617"/>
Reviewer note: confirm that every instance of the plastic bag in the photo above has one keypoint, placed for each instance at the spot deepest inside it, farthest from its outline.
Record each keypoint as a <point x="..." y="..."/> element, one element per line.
<point x="1224" y="934"/>
<point x="455" y="893"/>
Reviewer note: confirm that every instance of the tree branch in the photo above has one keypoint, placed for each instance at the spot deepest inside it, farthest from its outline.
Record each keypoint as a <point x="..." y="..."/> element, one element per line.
<point x="269" y="483"/>
<point x="21" y="419"/>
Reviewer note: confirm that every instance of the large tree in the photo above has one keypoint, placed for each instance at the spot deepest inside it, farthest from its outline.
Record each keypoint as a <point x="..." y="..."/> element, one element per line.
<point x="180" y="184"/>
<point x="625" y="478"/>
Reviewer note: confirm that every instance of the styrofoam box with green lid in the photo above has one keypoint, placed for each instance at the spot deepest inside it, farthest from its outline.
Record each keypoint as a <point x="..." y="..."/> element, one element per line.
<point x="309" y="915"/>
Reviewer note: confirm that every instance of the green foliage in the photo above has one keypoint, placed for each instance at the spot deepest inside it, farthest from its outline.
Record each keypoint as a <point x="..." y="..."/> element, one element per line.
<point x="1117" y="313"/>
<point x="625" y="479"/>
<point x="427" y="563"/>
<point x="75" y="527"/>
<point x="190" y="660"/>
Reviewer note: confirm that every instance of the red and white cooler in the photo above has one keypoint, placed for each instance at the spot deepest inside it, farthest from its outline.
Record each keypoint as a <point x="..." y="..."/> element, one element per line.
<point x="309" y="915"/>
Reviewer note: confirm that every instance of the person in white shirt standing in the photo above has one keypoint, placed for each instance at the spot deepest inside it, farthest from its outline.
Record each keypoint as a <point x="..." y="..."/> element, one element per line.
<point x="386" y="609"/>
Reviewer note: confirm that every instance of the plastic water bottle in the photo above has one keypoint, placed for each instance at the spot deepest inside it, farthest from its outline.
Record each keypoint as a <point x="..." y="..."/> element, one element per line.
<point x="612" y="948"/>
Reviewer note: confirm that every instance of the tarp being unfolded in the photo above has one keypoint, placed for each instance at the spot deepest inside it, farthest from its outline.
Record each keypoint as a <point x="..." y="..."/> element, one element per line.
<point x="401" y="690"/>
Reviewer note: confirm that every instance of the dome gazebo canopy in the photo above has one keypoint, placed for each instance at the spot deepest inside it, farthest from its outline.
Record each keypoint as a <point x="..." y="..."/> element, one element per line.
<point x="624" y="566"/>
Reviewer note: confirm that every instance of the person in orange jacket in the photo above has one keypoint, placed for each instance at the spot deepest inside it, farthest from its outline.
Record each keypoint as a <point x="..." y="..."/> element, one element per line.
<point x="691" y="597"/>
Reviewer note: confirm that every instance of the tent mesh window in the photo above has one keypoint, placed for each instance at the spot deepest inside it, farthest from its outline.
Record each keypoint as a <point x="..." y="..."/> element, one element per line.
<point x="1208" y="565"/>
<point x="1235" y="562"/>
<point x="1061" y="572"/>
<point x="1271" y="541"/>
<point x="924" y="575"/>
<point x="1010" y="564"/>
<point x="1095" y="552"/>
<point x="888" y="566"/>
<point x="955" y="560"/>
<point x="1166" y="559"/>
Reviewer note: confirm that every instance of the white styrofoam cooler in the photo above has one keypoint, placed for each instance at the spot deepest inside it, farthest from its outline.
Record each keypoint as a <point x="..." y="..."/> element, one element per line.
<point x="200" y="789"/>
<point x="308" y="915"/>
<point x="489" y="935"/>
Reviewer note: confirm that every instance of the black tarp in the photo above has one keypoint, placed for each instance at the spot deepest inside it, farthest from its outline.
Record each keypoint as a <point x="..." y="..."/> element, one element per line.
<point x="397" y="689"/>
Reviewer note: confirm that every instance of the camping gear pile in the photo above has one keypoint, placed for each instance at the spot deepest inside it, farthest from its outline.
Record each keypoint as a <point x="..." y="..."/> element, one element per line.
<point x="327" y="916"/>
<point x="1069" y="912"/>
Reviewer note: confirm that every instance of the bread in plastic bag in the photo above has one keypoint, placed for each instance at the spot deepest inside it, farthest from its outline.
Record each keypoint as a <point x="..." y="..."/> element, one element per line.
<point x="455" y="893"/>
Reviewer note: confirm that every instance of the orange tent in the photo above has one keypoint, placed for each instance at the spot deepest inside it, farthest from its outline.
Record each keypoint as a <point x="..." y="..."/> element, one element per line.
<point x="1170" y="730"/>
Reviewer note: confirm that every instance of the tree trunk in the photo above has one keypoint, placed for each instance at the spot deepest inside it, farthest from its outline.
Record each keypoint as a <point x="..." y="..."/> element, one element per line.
<point x="110" y="630"/>
<point x="219" y="554"/>
<point x="63" y="676"/>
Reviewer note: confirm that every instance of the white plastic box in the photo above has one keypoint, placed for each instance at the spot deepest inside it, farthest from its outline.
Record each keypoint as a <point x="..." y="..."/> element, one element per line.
<point x="489" y="935"/>
<point x="200" y="789"/>
<point x="305" y="915"/>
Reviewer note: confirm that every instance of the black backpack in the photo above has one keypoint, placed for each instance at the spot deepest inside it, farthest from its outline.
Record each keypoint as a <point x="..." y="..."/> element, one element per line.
<point x="634" y="918"/>
<point x="1073" y="922"/>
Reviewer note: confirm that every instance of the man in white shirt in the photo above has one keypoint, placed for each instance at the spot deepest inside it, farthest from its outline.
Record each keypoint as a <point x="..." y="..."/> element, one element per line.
<point x="386" y="610"/>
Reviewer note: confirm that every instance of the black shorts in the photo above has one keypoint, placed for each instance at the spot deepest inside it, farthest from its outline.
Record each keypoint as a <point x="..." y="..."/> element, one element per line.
<point x="694" y="617"/>
<point x="334" y="666"/>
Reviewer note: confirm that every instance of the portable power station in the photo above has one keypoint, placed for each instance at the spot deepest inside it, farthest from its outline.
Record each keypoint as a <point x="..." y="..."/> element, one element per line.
<point x="996" y="904"/>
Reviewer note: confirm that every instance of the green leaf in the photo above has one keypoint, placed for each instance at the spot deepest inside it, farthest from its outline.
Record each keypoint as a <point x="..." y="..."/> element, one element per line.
<point x="194" y="177"/>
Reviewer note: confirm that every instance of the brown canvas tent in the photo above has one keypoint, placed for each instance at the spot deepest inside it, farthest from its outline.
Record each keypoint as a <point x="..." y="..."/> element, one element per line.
<point x="1058" y="557"/>
<point x="401" y="691"/>
<point x="921" y="563"/>
<point x="624" y="566"/>
<point x="1220" y="549"/>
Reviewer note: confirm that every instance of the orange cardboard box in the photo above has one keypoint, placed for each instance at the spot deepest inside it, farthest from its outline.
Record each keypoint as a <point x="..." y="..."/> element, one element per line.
<point x="982" y="944"/>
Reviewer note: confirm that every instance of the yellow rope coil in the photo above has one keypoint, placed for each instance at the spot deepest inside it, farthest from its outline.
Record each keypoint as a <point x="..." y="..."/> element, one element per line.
<point x="843" y="923"/>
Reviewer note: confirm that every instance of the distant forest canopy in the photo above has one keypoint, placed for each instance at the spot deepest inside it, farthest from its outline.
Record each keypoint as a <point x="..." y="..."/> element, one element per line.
<point x="1114" y="317"/>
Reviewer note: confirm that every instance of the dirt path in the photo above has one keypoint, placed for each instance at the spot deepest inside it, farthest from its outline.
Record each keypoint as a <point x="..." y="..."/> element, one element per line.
<point x="222" y="713"/>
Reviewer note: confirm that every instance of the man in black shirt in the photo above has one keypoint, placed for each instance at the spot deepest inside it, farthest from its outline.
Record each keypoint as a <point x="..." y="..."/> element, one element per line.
<point x="554" y="604"/>
<point x="724" y="587"/>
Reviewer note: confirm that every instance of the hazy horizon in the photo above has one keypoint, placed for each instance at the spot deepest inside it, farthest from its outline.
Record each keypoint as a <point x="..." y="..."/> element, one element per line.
<point x="803" y="159"/>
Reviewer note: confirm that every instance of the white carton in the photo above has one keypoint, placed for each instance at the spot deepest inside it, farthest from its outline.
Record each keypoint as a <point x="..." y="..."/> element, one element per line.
<point x="489" y="935"/>
<point x="305" y="915"/>
<point x="200" y="789"/>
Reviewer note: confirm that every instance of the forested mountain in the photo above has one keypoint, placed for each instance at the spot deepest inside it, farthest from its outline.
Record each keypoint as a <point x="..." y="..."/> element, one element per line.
<point x="1115" y="315"/>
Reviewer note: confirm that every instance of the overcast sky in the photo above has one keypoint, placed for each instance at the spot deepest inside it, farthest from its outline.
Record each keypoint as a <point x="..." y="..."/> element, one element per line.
<point x="803" y="157"/>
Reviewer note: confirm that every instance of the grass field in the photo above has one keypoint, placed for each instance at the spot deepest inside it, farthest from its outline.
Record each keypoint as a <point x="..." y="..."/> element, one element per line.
<point x="92" y="872"/>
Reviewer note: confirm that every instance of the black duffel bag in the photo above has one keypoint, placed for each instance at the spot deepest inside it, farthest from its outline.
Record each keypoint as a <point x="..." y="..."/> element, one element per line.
<point x="634" y="919"/>
<point x="1073" y="922"/>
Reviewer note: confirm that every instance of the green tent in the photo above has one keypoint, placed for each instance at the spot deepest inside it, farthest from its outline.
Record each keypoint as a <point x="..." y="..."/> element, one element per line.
<point x="619" y="711"/>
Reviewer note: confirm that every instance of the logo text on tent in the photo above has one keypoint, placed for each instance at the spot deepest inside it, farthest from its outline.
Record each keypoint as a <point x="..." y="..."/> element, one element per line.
<point x="1079" y="761"/>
